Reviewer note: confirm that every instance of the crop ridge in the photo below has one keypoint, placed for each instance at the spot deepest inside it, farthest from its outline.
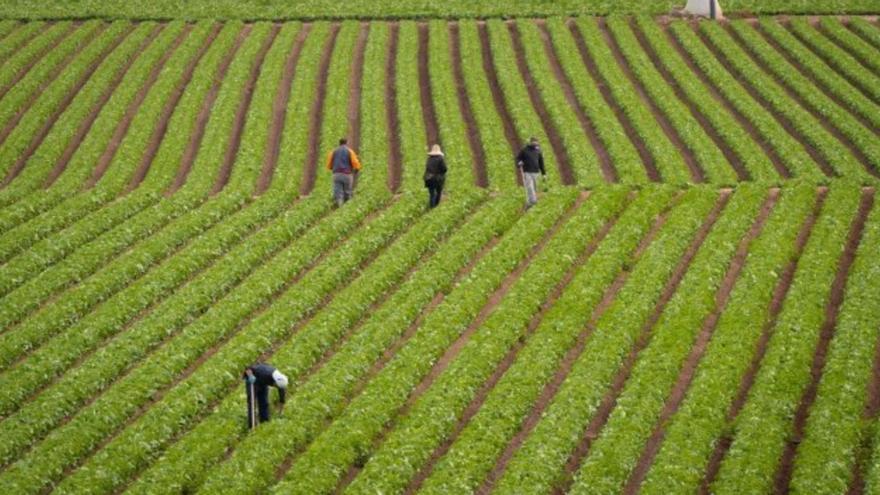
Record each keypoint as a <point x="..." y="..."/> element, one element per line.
<point x="38" y="57"/>
<point x="785" y="469"/>
<point x="481" y="177"/>
<point x="429" y="114"/>
<point x="871" y="413"/>
<point x="686" y="374"/>
<point x="780" y="292"/>
<point x="247" y="94"/>
<point x="131" y="111"/>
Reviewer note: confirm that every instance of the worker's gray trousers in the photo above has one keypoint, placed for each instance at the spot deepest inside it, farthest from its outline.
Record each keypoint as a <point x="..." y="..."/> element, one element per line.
<point x="530" y="182"/>
<point x="342" y="187"/>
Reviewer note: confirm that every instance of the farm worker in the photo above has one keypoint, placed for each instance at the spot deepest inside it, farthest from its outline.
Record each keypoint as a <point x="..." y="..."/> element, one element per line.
<point x="530" y="162"/>
<point x="257" y="380"/>
<point x="435" y="175"/>
<point x="344" y="164"/>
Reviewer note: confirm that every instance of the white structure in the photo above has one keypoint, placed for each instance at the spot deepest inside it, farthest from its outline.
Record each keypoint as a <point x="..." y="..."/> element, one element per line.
<point x="705" y="8"/>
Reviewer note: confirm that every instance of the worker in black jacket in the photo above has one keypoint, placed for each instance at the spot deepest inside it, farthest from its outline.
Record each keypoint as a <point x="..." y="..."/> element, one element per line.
<point x="435" y="175"/>
<point x="257" y="380"/>
<point x="530" y="162"/>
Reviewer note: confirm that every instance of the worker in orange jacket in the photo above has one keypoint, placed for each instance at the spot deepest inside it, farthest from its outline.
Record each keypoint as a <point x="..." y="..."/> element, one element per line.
<point x="344" y="164"/>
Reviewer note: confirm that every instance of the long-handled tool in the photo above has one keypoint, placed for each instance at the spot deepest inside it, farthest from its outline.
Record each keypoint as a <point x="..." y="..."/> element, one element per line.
<point x="252" y="409"/>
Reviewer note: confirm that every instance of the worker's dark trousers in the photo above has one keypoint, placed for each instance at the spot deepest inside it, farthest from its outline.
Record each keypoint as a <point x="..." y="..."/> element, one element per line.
<point x="262" y="395"/>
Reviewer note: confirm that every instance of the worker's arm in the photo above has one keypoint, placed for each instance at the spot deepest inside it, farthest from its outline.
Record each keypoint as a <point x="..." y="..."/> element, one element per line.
<point x="519" y="159"/>
<point x="541" y="163"/>
<point x="330" y="161"/>
<point x="355" y="162"/>
<point x="282" y="394"/>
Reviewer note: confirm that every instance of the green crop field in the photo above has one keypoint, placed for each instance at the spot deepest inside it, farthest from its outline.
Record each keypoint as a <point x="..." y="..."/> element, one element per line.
<point x="693" y="306"/>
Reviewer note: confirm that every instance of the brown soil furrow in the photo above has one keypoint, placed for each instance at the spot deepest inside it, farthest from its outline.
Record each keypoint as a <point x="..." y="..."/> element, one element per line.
<point x="497" y="94"/>
<point x="826" y="334"/>
<point x="247" y="94"/>
<point x="357" y="84"/>
<point x="481" y="176"/>
<point x="831" y="63"/>
<point x="487" y="387"/>
<point x="316" y="115"/>
<point x="279" y="111"/>
<point x="168" y="110"/>
<point x="133" y="108"/>
<point x="744" y="122"/>
<point x="571" y="356"/>
<point x="809" y="76"/>
<point x="697" y="173"/>
<point x="566" y="174"/>
<point x="86" y="124"/>
<point x="686" y="374"/>
<point x="833" y="130"/>
<point x="38" y="57"/>
<point x="456" y="347"/>
<point x="590" y="64"/>
<point x="587" y="125"/>
<point x="432" y="133"/>
<point x="395" y="157"/>
<point x="158" y="395"/>
<point x="53" y="75"/>
<point x="732" y="158"/>
<point x="779" y="294"/>
<point x="195" y="141"/>
<point x="40" y="135"/>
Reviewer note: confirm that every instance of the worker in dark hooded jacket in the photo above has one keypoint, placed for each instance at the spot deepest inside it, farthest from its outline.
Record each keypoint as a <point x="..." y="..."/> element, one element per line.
<point x="530" y="162"/>
<point x="435" y="175"/>
<point x="345" y="165"/>
<point x="257" y="380"/>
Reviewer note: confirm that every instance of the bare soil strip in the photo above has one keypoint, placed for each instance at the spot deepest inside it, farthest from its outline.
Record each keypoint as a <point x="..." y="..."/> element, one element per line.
<point x="132" y="110"/>
<point x="497" y="95"/>
<point x="481" y="176"/>
<point x="769" y="150"/>
<point x="566" y="174"/>
<point x="779" y="294"/>
<point x="316" y="116"/>
<point x="590" y="64"/>
<point x="86" y="125"/>
<point x="247" y="94"/>
<point x="432" y="133"/>
<point x="855" y="82"/>
<point x="395" y="157"/>
<point x="872" y="411"/>
<point x="732" y="158"/>
<point x="589" y="129"/>
<point x="53" y="75"/>
<point x="168" y="110"/>
<point x="507" y="362"/>
<point x="192" y="149"/>
<point x="37" y="58"/>
<point x="279" y="112"/>
<point x="834" y="131"/>
<point x="38" y="138"/>
<point x="835" y="299"/>
<point x="697" y="173"/>
<point x="357" y="84"/>
<point x="687" y="372"/>
<point x="807" y="74"/>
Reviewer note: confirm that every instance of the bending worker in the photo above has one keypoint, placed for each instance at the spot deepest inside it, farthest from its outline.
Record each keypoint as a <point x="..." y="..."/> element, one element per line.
<point x="257" y="380"/>
<point x="344" y="164"/>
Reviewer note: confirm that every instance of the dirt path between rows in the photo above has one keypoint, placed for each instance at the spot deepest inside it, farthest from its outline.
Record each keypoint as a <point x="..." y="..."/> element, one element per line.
<point x="605" y="162"/>
<point x="780" y="292"/>
<point x="192" y="148"/>
<point x="696" y="172"/>
<point x="279" y="112"/>
<point x="168" y="110"/>
<point x="832" y="309"/>
<point x="316" y="115"/>
<point x="689" y="367"/>
<point x="744" y="122"/>
<point x="395" y="157"/>
<point x="133" y="107"/>
<point x="432" y="132"/>
<point x="732" y="158"/>
<point x="40" y="136"/>
<point x="566" y="174"/>
<point x="247" y="95"/>
<point x="647" y="159"/>
<point x="481" y="175"/>
<point x="356" y="87"/>
<point x="497" y="95"/>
